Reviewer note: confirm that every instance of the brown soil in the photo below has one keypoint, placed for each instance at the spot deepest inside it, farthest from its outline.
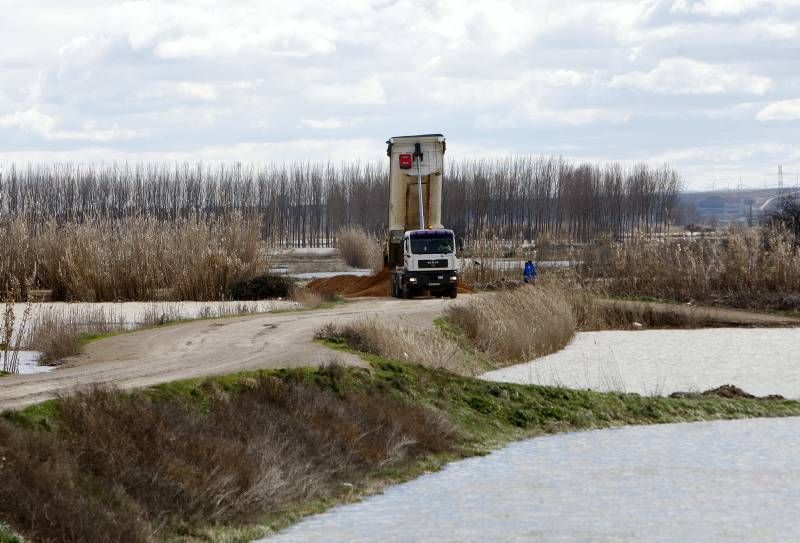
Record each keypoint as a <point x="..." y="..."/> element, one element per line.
<point x="726" y="391"/>
<point x="352" y="286"/>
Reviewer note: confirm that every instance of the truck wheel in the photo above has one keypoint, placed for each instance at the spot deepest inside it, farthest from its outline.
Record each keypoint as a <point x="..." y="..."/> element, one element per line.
<point x="406" y="292"/>
<point x="453" y="291"/>
<point x="393" y="288"/>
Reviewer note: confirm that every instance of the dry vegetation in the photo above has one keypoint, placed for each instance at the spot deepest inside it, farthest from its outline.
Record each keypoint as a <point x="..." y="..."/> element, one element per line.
<point x="58" y="332"/>
<point x="136" y="467"/>
<point x="308" y="298"/>
<point x="359" y="249"/>
<point x="745" y="268"/>
<point x="397" y="341"/>
<point x="519" y="324"/>
<point x="134" y="259"/>
<point x="13" y="329"/>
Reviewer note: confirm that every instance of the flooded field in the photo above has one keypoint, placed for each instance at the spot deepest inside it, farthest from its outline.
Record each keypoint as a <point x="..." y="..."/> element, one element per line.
<point x="714" y="481"/>
<point x="761" y="361"/>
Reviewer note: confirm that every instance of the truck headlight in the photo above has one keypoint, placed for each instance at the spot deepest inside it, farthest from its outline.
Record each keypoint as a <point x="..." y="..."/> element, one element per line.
<point x="412" y="279"/>
<point x="454" y="278"/>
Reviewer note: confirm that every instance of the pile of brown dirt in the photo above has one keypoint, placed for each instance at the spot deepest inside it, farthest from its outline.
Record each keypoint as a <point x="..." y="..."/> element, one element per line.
<point x="351" y="286"/>
<point x="727" y="392"/>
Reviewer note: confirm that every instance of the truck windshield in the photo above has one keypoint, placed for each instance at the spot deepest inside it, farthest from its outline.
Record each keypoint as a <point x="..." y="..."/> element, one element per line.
<point x="427" y="245"/>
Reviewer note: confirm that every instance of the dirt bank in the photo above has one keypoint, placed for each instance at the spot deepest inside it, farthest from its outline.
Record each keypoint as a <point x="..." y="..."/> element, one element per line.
<point x="730" y="392"/>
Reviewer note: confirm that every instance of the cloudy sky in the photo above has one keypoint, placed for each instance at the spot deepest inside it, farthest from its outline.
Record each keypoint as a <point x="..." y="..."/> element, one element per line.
<point x="711" y="87"/>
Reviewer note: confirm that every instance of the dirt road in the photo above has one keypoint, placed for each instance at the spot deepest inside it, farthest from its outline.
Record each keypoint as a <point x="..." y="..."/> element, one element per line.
<point x="209" y="347"/>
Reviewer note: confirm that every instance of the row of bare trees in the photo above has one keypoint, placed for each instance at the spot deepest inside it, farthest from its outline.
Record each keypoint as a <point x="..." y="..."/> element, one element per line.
<point x="305" y="204"/>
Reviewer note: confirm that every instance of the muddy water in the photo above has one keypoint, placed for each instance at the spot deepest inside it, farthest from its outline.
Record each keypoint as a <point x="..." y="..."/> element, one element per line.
<point x="717" y="481"/>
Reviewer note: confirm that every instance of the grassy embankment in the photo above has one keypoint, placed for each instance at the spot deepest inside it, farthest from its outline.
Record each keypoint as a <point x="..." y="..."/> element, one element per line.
<point x="239" y="456"/>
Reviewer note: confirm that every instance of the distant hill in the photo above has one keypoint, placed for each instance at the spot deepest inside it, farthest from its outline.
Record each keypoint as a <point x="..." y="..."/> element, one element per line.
<point x="729" y="206"/>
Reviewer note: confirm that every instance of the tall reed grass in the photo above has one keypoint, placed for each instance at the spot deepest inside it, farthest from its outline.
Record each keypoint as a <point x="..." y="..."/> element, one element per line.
<point x="398" y="341"/>
<point x="518" y="324"/>
<point x="745" y="268"/>
<point x="136" y="258"/>
<point x="358" y="248"/>
<point x="13" y="329"/>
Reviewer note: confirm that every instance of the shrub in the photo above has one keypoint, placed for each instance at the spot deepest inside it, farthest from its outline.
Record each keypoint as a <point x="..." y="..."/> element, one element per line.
<point x="262" y="287"/>
<point x="307" y="297"/>
<point x="59" y="334"/>
<point x="358" y="249"/>
<point x="518" y="324"/>
<point x="787" y="216"/>
<point x="393" y="339"/>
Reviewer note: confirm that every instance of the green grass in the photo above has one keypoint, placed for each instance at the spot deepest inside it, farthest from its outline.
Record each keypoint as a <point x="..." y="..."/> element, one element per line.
<point x="7" y="535"/>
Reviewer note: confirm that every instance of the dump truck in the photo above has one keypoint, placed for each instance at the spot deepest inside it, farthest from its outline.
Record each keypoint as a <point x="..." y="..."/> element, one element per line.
<point x="420" y="252"/>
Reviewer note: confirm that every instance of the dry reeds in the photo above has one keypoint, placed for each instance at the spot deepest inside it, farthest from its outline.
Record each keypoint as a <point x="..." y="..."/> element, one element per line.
<point x="491" y="262"/>
<point x="128" y="467"/>
<point x="398" y="341"/>
<point x="307" y="297"/>
<point x="13" y="329"/>
<point x="745" y="268"/>
<point x="59" y="334"/>
<point x="519" y="324"/>
<point x="138" y="258"/>
<point x="358" y="249"/>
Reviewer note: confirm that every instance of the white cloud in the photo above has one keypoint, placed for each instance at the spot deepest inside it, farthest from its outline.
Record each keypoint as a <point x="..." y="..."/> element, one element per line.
<point x="685" y="76"/>
<point x="785" y="110"/>
<point x="566" y="78"/>
<point x="334" y="150"/>
<point x="366" y="92"/>
<point x="726" y="7"/>
<point x="33" y="120"/>
<point x="198" y="91"/>
<point x="575" y="116"/>
<point x="293" y="39"/>
<point x="331" y="123"/>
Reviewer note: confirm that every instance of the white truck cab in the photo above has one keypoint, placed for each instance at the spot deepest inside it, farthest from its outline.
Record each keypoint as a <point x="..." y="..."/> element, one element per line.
<point x="429" y="264"/>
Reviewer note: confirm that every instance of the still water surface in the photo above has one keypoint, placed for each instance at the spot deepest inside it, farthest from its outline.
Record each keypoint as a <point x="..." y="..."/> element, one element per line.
<point x="711" y="481"/>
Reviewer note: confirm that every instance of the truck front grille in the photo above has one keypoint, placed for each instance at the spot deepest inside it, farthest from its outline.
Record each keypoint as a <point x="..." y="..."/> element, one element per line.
<point x="438" y="263"/>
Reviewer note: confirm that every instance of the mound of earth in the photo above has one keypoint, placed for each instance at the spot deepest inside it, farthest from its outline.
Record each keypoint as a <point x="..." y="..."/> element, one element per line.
<point x="726" y="391"/>
<point x="351" y="286"/>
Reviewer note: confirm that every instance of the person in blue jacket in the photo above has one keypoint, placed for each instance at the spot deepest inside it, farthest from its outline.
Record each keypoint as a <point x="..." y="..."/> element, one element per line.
<point x="530" y="272"/>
